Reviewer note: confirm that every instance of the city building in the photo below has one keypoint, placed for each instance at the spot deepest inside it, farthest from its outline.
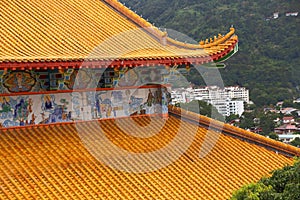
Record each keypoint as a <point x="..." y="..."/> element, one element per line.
<point x="215" y="92"/>
<point x="296" y="100"/>
<point x="288" y="119"/>
<point x="288" y="110"/>
<point x="229" y="107"/>
<point x="287" y="129"/>
<point x="228" y="100"/>
<point x="291" y="14"/>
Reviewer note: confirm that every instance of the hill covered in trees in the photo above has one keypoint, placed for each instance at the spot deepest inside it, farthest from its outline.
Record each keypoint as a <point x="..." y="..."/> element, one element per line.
<point x="268" y="62"/>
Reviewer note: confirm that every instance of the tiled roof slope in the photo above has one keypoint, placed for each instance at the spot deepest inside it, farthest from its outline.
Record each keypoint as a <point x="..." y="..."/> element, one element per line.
<point x="71" y="30"/>
<point x="51" y="162"/>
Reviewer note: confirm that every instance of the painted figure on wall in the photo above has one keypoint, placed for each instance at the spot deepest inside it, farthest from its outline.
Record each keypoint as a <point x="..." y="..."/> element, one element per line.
<point x="48" y="102"/>
<point x="60" y="112"/>
<point x="150" y="98"/>
<point x="98" y="107"/>
<point x="18" y="81"/>
<point x="30" y="104"/>
<point x="117" y="101"/>
<point x="21" y="112"/>
<point x="5" y="105"/>
<point x="158" y="96"/>
<point x="108" y="110"/>
<point x="32" y="121"/>
<point x="76" y="104"/>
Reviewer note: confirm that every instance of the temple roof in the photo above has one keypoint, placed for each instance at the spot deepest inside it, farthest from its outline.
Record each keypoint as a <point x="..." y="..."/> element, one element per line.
<point x="94" y="30"/>
<point x="57" y="161"/>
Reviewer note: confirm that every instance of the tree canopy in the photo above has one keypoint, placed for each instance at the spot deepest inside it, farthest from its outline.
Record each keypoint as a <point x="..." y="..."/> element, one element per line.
<point x="283" y="184"/>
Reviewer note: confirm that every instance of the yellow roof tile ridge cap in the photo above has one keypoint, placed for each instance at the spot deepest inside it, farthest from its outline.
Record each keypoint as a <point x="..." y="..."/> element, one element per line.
<point x="201" y="44"/>
<point x="135" y="18"/>
<point x="232" y="130"/>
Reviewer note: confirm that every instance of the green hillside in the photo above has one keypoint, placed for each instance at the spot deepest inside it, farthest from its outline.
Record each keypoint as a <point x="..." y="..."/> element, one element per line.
<point x="268" y="62"/>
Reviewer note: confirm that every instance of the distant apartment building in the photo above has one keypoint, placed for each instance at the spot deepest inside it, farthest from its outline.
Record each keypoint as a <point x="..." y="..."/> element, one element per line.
<point x="275" y="15"/>
<point x="227" y="107"/>
<point x="291" y="14"/>
<point x="228" y="100"/>
<point x="214" y="92"/>
<point x="296" y="100"/>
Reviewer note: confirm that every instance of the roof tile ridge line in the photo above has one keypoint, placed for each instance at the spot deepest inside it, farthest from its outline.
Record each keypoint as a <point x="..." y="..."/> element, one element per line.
<point x="135" y="18"/>
<point x="226" y="128"/>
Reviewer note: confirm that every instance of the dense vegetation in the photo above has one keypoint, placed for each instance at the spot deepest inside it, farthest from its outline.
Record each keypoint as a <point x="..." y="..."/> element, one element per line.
<point x="268" y="62"/>
<point x="283" y="184"/>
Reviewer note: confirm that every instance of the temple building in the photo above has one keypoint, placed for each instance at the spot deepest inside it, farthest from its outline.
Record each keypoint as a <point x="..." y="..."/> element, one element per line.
<point x="85" y="114"/>
<point x="55" y="63"/>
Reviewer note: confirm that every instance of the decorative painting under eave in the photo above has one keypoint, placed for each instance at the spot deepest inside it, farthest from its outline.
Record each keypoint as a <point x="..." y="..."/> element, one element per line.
<point x="50" y="108"/>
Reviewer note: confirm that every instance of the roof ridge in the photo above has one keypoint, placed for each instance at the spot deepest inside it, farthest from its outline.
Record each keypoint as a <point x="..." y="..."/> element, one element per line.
<point x="163" y="35"/>
<point x="236" y="132"/>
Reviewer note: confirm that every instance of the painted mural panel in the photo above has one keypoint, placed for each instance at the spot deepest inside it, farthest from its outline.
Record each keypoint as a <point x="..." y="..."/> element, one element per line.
<point x="48" y="108"/>
<point x="72" y="79"/>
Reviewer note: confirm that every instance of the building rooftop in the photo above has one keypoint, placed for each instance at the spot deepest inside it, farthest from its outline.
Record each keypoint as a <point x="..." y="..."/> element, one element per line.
<point x="288" y="118"/>
<point x="68" y="32"/>
<point x="73" y="161"/>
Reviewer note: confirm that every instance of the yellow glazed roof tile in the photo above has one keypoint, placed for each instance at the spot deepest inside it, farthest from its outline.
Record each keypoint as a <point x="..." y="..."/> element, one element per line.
<point x="73" y="30"/>
<point x="57" y="161"/>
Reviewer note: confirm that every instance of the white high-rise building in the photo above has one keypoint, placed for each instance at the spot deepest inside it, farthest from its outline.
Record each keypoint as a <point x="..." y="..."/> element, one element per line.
<point x="228" y="100"/>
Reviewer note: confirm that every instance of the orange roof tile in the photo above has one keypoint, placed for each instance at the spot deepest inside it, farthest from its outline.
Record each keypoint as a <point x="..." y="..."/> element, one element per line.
<point x="73" y="30"/>
<point x="62" y="161"/>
